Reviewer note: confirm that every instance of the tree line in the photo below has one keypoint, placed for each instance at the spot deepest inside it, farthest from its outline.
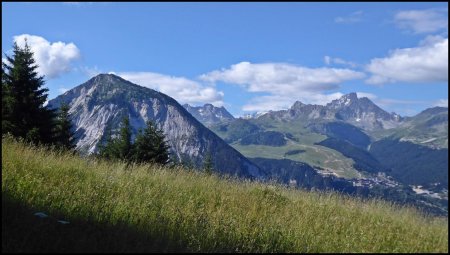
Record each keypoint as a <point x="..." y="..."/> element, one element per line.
<point x="149" y="145"/>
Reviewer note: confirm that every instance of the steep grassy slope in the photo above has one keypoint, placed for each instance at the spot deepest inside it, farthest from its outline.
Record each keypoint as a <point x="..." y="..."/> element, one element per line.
<point x="112" y="207"/>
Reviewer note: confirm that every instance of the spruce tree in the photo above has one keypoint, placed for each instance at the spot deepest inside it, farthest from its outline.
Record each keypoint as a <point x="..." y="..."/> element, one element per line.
<point x="64" y="136"/>
<point x="105" y="149"/>
<point x="7" y="104"/>
<point x="23" y="98"/>
<point x="119" y="147"/>
<point x="124" y="142"/>
<point x="161" y="147"/>
<point x="208" y="164"/>
<point x="150" y="146"/>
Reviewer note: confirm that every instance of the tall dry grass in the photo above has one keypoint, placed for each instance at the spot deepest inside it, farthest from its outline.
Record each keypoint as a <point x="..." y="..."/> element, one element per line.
<point x="207" y="213"/>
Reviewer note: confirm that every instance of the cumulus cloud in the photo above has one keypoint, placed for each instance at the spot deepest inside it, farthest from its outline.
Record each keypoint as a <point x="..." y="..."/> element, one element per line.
<point x="329" y="60"/>
<point x="284" y="83"/>
<point x="280" y="78"/>
<point x="353" y="17"/>
<point x="426" y="63"/>
<point x="53" y="59"/>
<point x="422" y="21"/>
<point x="180" y="88"/>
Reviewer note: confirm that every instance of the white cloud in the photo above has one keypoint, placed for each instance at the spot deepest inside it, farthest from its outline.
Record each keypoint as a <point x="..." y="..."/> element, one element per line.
<point x="441" y="102"/>
<point x="365" y="94"/>
<point x="426" y="63"/>
<point x="180" y="88"/>
<point x="354" y="17"/>
<point x="53" y="59"/>
<point x="422" y="21"/>
<point x="329" y="60"/>
<point x="62" y="90"/>
<point x="280" y="78"/>
<point x="285" y="83"/>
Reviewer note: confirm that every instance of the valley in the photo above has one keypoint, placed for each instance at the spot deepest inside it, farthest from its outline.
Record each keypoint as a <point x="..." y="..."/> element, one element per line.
<point x="360" y="156"/>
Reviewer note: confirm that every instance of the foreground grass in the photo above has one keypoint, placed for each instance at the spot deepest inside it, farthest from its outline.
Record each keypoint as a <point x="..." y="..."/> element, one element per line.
<point x="151" y="208"/>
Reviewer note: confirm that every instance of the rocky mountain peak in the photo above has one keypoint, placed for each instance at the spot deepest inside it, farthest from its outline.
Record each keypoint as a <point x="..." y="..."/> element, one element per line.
<point x="344" y="101"/>
<point x="100" y="104"/>
<point x="208" y="114"/>
<point x="351" y="96"/>
<point x="105" y="79"/>
<point x="361" y="112"/>
<point x="297" y="105"/>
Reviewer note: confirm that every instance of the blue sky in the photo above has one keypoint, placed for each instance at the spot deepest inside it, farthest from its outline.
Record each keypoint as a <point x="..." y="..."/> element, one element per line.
<point x="247" y="57"/>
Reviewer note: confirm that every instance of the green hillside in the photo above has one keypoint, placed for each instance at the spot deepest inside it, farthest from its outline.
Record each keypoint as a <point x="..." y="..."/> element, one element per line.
<point x="297" y="138"/>
<point x="147" y="208"/>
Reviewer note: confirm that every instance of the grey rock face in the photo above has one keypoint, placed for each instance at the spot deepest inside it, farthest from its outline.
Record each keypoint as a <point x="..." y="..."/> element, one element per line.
<point x="100" y="104"/>
<point x="363" y="113"/>
<point x="209" y="114"/>
<point x="360" y="112"/>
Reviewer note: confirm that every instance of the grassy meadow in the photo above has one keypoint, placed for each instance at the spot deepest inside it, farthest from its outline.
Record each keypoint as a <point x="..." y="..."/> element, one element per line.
<point x="149" y="208"/>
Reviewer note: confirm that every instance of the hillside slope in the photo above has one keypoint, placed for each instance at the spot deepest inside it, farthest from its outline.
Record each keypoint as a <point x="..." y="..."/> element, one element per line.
<point x="156" y="208"/>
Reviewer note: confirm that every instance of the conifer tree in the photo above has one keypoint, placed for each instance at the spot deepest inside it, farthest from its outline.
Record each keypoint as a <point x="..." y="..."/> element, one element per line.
<point x="119" y="147"/>
<point x="124" y="142"/>
<point x="105" y="149"/>
<point x="208" y="164"/>
<point x="150" y="146"/>
<point x="64" y="136"/>
<point x="23" y="98"/>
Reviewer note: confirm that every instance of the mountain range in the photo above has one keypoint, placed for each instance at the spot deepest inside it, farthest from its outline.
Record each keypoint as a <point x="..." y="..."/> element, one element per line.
<point x="342" y="145"/>
<point x="360" y="112"/>
<point x="100" y="104"/>
<point x="349" y="137"/>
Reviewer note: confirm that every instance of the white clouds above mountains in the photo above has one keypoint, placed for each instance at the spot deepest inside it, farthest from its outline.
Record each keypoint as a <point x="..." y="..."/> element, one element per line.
<point x="422" y="21"/>
<point x="53" y="59"/>
<point x="426" y="63"/>
<point x="281" y="78"/>
<point x="180" y="88"/>
<point x="285" y="83"/>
